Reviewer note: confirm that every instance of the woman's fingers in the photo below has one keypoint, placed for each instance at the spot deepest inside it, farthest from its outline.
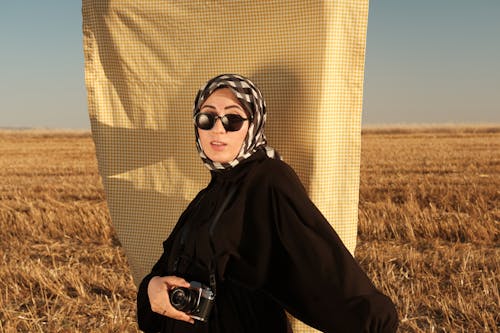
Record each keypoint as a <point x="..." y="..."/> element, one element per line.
<point x="158" y="292"/>
<point x="175" y="281"/>
<point x="172" y="312"/>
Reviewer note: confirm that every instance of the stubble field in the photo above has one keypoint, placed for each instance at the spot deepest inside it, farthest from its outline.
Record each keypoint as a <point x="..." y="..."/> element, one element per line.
<point x="429" y="231"/>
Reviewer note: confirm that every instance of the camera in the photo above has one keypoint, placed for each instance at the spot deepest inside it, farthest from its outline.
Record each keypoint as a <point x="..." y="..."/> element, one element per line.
<point x="196" y="301"/>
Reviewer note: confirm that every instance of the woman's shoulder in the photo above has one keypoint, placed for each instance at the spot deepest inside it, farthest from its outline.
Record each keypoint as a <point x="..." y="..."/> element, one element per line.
<point x="275" y="173"/>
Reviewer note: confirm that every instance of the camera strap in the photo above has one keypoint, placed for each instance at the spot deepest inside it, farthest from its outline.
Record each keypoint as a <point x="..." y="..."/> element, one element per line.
<point x="213" y="265"/>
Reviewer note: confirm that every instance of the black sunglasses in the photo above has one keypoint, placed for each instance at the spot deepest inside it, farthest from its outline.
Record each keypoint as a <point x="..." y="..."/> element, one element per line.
<point x="231" y="122"/>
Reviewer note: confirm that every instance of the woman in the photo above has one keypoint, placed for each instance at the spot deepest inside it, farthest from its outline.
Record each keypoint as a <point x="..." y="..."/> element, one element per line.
<point x="254" y="238"/>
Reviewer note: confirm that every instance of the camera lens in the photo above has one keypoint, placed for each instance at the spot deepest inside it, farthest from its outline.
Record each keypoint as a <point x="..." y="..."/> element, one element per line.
<point x="184" y="299"/>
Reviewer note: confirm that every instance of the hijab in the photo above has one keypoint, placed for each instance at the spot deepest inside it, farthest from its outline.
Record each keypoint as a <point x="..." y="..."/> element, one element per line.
<point x="252" y="101"/>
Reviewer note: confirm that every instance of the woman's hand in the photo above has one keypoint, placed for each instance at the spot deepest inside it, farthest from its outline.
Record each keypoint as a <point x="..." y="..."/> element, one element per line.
<point x="158" y="293"/>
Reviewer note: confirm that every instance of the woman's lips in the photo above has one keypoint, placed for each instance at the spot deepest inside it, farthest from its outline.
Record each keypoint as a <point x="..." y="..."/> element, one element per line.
<point x="218" y="145"/>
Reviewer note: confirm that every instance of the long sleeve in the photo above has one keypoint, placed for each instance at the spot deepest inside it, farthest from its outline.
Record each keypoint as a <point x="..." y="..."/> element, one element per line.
<point x="290" y="250"/>
<point x="148" y="320"/>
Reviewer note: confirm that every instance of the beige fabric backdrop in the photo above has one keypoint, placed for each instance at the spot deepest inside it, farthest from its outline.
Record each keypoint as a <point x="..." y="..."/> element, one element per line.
<point x="144" y="62"/>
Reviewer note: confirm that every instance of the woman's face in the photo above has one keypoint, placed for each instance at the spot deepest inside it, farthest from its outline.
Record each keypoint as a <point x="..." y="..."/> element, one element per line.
<point x="218" y="144"/>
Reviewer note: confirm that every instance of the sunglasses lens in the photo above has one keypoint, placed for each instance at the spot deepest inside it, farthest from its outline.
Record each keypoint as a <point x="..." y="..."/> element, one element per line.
<point x="232" y="122"/>
<point x="204" y="121"/>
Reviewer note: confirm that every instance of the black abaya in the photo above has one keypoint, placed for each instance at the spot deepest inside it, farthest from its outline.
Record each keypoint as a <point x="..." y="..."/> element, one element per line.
<point x="274" y="251"/>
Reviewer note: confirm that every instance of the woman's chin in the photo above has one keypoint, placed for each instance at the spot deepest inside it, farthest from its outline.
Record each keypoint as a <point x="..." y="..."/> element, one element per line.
<point x="220" y="157"/>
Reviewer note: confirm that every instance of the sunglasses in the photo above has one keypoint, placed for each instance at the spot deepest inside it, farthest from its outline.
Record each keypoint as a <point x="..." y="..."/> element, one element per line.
<point x="231" y="122"/>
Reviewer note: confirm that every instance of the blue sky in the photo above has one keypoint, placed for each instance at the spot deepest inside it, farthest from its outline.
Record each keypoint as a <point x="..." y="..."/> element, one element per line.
<point x="432" y="61"/>
<point x="427" y="61"/>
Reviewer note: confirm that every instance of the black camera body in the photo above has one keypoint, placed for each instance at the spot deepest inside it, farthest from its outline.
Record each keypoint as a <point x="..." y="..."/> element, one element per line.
<point x="197" y="300"/>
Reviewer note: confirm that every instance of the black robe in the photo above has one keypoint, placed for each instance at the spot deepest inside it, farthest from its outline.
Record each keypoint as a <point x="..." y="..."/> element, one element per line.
<point x="275" y="251"/>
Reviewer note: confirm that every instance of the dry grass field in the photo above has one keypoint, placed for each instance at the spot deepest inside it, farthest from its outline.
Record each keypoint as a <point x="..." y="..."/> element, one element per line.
<point x="429" y="231"/>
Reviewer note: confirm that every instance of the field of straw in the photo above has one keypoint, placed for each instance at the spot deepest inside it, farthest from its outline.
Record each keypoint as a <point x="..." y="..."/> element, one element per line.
<point x="429" y="231"/>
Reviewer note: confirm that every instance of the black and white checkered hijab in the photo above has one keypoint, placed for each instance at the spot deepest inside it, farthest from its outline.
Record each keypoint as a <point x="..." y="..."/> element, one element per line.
<point x="252" y="101"/>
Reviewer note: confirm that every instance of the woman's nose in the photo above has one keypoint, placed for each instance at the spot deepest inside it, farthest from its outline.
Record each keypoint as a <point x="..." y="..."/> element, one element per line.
<point x="218" y="127"/>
